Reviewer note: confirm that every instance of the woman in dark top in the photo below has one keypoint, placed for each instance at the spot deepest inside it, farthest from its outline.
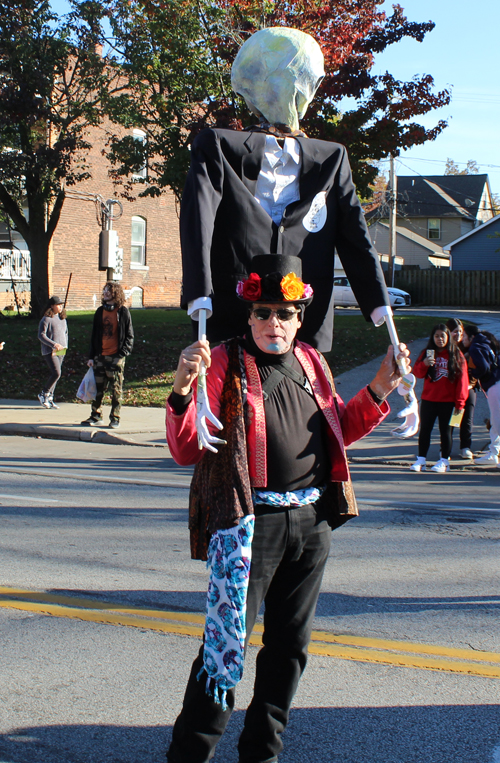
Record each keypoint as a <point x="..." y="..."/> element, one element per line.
<point x="456" y="328"/>
<point x="484" y="365"/>
<point x="53" y="336"/>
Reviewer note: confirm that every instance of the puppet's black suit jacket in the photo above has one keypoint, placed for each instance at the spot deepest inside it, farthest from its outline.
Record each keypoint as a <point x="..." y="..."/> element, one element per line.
<point x="223" y="227"/>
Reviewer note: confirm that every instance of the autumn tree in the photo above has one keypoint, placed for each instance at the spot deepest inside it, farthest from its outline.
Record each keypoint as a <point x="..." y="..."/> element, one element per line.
<point x="177" y="56"/>
<point x="452" y="168"/>
<point x="52" y="80"/>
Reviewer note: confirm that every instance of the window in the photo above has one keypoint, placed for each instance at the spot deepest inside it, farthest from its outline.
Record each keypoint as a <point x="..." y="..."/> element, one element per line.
<point x="433" y="227"/>
<point x="138" y="242"/>
<point x="140" y="136"/>
<point x="137" y="297"/>
<point x="340" y="281"/>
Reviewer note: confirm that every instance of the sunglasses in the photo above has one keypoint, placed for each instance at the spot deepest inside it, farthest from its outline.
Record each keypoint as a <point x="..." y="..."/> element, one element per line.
<point x="282" y="313"/>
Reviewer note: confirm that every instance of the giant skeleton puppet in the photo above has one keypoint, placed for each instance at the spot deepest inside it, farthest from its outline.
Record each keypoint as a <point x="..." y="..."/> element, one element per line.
<point x="270" y="189"/>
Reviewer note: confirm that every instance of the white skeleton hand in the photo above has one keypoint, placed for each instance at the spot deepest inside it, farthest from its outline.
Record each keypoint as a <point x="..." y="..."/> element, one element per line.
<point x="410" y="413"/>
<point x="203" y="412"/>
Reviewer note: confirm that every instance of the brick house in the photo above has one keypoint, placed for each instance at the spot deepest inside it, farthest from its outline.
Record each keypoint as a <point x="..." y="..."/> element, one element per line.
<point x="148" y="233"/>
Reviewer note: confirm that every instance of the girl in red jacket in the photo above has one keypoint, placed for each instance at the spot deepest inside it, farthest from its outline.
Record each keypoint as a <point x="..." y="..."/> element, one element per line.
<point x="446" y="386"/>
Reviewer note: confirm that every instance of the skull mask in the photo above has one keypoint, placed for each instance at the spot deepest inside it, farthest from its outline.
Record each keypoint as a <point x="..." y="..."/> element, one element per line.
<point x="277" y="71"/>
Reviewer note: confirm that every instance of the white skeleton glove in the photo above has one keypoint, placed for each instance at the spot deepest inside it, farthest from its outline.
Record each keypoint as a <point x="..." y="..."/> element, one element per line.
<point x="410" y="413"/>
<point x="203" y="412"/>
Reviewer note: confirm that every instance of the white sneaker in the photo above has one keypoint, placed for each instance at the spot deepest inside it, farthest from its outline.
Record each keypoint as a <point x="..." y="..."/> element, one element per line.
<point x="466" y="453"/>
<point x="441" y="466"/>
<point x="490" y="458"/>
<point x="419" y="465"/>
<point x="50" y="401"/>
<point x="43" y="400"/>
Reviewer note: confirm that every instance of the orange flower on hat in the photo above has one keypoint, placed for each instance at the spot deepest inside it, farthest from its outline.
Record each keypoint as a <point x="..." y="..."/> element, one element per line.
<point x="292" y="287"/>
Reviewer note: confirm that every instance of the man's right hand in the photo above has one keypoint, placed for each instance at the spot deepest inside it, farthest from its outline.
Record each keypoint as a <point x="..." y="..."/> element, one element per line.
<point x="90" y="363"/>
<point x="189" y="365"/>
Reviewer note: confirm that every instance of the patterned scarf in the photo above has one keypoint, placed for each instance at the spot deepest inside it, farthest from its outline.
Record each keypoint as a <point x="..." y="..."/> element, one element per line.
<point x="221" y="523"/>
<point x="229" y="561"/>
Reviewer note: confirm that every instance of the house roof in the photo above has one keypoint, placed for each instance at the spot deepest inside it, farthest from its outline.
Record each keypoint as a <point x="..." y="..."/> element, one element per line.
<point x="472" y="232"/>
<point x="440" y="195"/>
<point x="436" y="196"/>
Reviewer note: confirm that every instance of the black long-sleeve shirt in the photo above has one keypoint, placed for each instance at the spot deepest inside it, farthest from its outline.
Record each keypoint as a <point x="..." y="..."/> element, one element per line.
<point x="297" y="454"/>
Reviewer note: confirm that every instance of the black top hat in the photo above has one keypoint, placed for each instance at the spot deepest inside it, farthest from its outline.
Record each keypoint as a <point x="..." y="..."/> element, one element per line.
<point x="275" y="278"/>
<point x="55" y="300"/>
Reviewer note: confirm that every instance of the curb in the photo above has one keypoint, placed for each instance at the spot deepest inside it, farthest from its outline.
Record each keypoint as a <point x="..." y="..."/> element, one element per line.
<point x="469" y="466"/>
<point x="76" y="433"/>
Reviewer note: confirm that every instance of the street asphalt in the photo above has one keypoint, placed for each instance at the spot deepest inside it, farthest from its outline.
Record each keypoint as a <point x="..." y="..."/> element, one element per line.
<point x="146" y="426"/>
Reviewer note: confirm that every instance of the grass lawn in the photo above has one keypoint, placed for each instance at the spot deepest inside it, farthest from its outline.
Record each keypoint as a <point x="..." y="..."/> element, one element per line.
<point x="160" y="335"/>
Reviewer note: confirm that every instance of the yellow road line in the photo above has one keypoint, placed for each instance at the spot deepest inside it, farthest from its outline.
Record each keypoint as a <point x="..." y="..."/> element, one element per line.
<point x="109" y="606"/>
<point x="407" y="661"/>
<point x="465" y="661"/>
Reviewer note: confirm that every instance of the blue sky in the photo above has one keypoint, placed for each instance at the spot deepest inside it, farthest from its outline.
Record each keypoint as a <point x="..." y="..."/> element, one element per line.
<point x="459" y="52"/>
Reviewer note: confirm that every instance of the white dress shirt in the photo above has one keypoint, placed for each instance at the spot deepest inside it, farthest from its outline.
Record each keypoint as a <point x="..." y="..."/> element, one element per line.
<point x="278" y="181"/>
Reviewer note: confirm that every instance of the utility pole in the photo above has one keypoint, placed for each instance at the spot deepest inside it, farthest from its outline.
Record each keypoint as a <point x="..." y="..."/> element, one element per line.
<point x="110" y="256"/>
<point x="109" y="259"/>
<point x="393" y="195"/>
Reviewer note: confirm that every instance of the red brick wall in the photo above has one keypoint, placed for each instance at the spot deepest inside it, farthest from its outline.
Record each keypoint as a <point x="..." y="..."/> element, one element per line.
<point x="75" y="246"/>
<point x="7" y="300"/>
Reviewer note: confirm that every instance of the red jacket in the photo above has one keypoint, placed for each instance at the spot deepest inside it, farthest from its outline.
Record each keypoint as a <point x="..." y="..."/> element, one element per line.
<point x="357" y="419"/>
<point x="443" y="390"/>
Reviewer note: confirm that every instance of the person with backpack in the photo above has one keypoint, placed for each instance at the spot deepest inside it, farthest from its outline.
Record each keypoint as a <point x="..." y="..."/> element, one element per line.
<point x="446" y="387"/>
<point x="466" y="425"/>
<point x="484" y="355"/>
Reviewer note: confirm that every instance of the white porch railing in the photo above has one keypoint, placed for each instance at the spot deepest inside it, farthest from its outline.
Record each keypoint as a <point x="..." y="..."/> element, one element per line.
<point x="15" y="265"/>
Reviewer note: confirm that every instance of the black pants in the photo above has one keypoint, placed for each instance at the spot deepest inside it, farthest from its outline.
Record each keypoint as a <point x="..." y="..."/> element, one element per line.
<point x="54" y="363"/>
<point x="289" y="553"/>
<point x="429" y="412"/>
<point x="467" y="423"/>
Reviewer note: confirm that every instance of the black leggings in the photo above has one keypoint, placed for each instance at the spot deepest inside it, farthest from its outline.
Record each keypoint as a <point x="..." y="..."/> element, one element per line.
<point x="467" y="421"/>
<point x="429" y="412"/>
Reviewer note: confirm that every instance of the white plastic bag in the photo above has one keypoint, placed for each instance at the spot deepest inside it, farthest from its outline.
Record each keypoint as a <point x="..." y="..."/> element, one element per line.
<point x="87" y="390"/>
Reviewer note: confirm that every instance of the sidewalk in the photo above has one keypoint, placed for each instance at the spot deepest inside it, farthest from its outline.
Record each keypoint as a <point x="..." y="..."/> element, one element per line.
<point x="146" y="426"/>
<point x="139" y="426"/>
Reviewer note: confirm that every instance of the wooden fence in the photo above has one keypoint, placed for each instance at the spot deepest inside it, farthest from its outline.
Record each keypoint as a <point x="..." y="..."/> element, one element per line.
<point x="478" y="288"/>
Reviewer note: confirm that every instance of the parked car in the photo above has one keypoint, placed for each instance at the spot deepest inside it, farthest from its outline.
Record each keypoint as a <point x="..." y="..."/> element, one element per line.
<point x="343" y="295"/>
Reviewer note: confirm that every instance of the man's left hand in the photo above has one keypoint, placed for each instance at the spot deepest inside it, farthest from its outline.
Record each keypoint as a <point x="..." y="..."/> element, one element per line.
<point x="388" y="376"/>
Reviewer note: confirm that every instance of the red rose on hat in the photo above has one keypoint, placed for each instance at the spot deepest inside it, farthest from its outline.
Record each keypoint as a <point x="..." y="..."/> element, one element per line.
<point x="252" y="287"/>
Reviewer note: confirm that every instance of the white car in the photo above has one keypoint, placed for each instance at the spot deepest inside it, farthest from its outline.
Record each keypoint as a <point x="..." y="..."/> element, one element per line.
<point x="343" y="295"/>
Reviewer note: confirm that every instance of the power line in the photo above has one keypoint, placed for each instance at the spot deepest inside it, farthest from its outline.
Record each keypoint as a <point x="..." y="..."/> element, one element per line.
<point x="436" y="161"/>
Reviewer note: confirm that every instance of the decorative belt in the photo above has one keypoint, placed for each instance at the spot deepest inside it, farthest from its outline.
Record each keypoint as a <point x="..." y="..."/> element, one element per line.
<point x="290" y="498"/>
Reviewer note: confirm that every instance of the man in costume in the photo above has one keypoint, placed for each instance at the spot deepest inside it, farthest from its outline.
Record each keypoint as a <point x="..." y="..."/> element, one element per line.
<point x="261" y="508"/>
<point x="271" y="189"/>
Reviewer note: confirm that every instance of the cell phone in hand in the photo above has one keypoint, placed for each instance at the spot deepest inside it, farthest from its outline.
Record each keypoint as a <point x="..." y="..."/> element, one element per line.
<point x="430" y="354"/>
